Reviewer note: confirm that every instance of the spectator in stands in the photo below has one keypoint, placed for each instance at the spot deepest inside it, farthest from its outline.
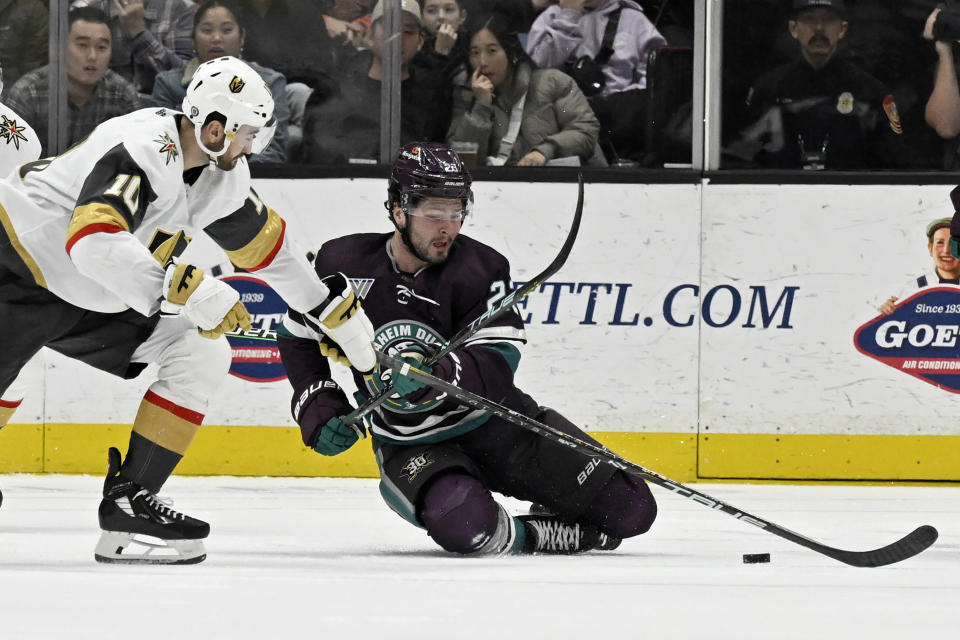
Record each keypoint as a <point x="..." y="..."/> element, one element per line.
<point x="604" y="45"/>
<point x="519" y="14"/>
<point x="820" y="112"/>
<point x="94" y="92"/>
<point x="349" y="20"/>
<point x="942" y="111"/>
<point x="346" y="126"/>
<point x="946" y="268"/>
<point x="219" y="30"/>
<point x="518" y="114"/>
<point x="443" y="22"/>
<point x="289" y="37"/>
<point x="444" y="51"/>
<point x="24" y="29"/>
<point x="149" y="36"/>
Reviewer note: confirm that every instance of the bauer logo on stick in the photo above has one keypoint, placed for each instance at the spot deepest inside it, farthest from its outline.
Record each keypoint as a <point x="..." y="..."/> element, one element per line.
<point x="920" y="338"/>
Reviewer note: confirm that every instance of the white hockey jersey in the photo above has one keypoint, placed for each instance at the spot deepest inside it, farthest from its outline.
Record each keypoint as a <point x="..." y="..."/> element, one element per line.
<point x="18" y="141"/>
<point x="95" y="224"/>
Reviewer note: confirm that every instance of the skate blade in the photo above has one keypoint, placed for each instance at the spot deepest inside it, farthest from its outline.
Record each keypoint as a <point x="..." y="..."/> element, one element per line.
<point x="112" y="548"/>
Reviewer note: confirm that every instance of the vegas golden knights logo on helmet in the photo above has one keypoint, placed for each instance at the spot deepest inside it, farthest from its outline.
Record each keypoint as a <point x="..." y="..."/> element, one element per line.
<point x="237" y="84"/>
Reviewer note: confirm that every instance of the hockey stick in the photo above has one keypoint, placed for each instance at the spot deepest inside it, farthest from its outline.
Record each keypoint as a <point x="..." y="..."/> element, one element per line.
<point x="906" y="547"/>
<point x="470" y="330"/>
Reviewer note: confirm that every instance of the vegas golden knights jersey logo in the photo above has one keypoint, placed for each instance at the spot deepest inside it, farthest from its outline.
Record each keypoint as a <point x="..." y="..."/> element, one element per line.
<point x="237" y="84"/>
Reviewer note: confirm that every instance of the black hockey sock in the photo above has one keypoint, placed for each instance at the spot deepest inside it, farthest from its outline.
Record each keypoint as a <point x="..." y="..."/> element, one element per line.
<point x="147" y="463"/>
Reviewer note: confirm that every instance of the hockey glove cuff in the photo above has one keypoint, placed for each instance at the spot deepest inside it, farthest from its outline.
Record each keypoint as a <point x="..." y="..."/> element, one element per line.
<point x="211" y="304"/>
<point x="343" y="319"/>
<point x="317" y="409"/>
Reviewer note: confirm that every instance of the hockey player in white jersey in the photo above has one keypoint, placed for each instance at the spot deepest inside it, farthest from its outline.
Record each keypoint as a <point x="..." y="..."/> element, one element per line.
<point x="88" y="267"/>
<point x="18" y="141"/>
<point x="18" y="144"/>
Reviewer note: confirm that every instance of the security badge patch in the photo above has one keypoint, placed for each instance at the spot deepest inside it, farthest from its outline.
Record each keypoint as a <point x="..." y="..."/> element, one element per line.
<point x="893" y="114"/>
<point x="11" y="131"/>
<point x="414" y="466"/>
<point x="845" y="104"/>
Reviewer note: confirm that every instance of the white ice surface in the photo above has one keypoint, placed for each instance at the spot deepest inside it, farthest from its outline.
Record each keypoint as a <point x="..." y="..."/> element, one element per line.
<point x="325" y="558"/>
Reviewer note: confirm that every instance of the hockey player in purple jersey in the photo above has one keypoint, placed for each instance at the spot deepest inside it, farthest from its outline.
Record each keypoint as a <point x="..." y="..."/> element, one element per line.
<point x="439" y="461"/>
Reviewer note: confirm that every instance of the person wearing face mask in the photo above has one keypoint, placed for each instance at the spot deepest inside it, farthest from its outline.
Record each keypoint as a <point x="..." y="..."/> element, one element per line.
<point x="820" y="111"/>
<point x="219" y="31"/>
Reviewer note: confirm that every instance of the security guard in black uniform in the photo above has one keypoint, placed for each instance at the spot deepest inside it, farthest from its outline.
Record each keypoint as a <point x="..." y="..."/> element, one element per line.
<point x="821" y="112"/>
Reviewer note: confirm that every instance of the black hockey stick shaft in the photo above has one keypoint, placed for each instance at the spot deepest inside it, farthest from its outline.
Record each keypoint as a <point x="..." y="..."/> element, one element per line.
<point x="508" y="302"/>
<point x="908" y="546"/>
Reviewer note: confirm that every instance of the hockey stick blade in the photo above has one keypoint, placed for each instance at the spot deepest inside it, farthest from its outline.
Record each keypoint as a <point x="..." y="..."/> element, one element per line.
<point x="505" y="303"/>
<point x="907" y="547"/>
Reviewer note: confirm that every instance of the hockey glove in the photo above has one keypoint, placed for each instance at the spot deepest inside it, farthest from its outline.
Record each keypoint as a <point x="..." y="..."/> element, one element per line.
<point x="415" y="391"/>
<point x="330" y="349"/>
<point x="343" y="319"/>
<point x="316" y="410"/>
<point x="212" y="305"/>
<point x="335" y="437"/>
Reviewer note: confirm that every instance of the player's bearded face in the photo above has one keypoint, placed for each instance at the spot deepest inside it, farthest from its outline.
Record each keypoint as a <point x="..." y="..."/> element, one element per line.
<point x="240" y="144"/>
<point x="432" y="226"/>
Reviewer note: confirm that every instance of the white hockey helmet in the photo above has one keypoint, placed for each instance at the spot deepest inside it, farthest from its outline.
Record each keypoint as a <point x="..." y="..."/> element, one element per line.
<point x="230" y="87"/>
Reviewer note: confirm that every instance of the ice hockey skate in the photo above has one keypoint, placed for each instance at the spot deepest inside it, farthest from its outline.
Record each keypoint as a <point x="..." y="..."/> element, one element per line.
<point x="140" y="528"/>
<point x="549" y="534"/>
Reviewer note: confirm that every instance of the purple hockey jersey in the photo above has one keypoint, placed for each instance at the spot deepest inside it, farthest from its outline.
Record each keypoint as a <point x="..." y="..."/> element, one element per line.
<point x="427" y="307"/>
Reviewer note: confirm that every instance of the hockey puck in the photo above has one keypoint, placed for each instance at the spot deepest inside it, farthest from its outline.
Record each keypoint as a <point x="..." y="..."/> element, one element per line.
<point x="755" y="558"/>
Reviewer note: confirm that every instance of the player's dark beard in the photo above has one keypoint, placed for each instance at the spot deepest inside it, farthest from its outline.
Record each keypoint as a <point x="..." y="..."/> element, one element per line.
<point x="407" y="240"/>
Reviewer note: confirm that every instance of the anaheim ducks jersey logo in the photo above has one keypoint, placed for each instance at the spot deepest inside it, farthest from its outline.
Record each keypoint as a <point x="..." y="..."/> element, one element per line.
<point x="237" y="84"/>
<point x="394" y="338"/>
<point x="12" y="132"/>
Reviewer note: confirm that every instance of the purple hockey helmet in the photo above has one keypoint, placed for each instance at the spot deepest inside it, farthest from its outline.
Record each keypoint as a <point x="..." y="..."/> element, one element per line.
<point x="429" y="170"/>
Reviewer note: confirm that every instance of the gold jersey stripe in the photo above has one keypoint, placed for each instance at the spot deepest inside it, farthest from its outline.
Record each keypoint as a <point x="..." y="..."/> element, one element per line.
<point x="262" y="247"/>
<point x="96" y="213"/>
<point x="158" y="423"/>
<point x="21" y="250"/>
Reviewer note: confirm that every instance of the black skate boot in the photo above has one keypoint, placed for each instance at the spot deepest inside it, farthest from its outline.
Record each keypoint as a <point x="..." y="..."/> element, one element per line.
<point x="549" y="534"/>
<point x="129" y="513"/>
<point x="604" y="542"/>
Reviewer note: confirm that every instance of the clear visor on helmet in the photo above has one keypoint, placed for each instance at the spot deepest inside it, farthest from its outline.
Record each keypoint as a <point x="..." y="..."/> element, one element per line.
<point x="437" y="209"/>
<point x="255" y="138"/>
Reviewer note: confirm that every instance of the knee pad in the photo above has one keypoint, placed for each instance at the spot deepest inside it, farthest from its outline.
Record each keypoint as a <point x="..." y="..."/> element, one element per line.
<point x="459" y="513"/>
<point x="624" y="508"/>
<point x="191" y="369"/>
